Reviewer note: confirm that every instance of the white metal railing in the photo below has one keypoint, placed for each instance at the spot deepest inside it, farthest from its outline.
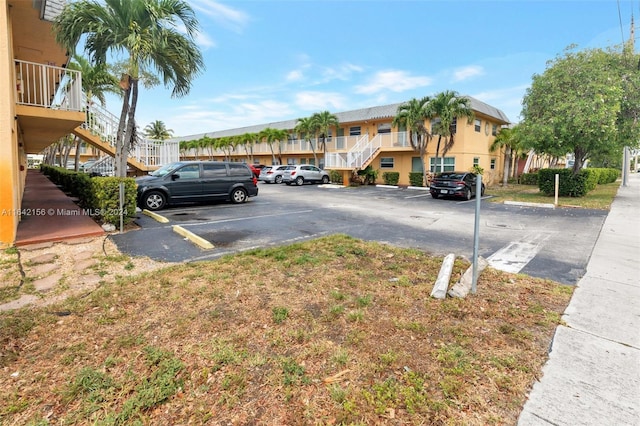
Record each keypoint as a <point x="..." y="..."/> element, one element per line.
<point x="48" y="86"/>
<point x="104" y="124"/>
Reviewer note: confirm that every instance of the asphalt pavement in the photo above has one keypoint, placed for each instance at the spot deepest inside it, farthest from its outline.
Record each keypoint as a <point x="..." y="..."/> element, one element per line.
<point x="592" y="376"/>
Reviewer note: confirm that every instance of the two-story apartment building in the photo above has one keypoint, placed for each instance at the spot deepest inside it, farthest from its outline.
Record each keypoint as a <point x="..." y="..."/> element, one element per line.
<point x="367" y="137"/>
<point x="40" y="100"/>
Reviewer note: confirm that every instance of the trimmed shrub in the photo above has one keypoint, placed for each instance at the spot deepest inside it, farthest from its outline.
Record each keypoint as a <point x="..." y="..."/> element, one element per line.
<point x="529" y="179"/>
<point x="335" y="176"/>
<point x="391" y="178"/>
<point x="569" y="185"/>
<point x="100" y="194"/>
<point x="106" y="198"/>
<point x="416" y="179"/>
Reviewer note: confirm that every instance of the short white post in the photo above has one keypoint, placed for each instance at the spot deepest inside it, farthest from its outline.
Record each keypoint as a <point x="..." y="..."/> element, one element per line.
<point x="557" y="185"/>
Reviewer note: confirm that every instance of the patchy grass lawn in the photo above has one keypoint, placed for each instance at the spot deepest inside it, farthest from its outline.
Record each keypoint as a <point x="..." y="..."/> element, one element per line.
<point x="600" y="198"/>
<point x="330" y="331"/>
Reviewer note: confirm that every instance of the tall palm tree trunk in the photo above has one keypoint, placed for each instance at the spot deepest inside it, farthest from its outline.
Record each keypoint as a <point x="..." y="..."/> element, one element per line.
<point x="125" y="83"/>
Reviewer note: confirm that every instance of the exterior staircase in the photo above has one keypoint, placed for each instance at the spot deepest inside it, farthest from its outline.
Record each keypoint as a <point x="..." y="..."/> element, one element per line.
<point x="100" y="130"/>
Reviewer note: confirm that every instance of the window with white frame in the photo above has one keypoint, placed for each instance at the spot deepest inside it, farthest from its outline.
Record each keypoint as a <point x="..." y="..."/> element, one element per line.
<point x="477" y="124"/>
<point x="493" y="164"/>
<point x="444" y="164"/>
<point x="454" y="125"/>
<point x="386" y="162"/>
<point x="494" y="129"/>
<point x="355" y="131"/>
<point x="435" y="126"/>
<point x="476" y="161"/>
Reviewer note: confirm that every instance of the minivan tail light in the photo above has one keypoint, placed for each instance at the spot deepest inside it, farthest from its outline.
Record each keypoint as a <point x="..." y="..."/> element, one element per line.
<point x="255" y="181"/>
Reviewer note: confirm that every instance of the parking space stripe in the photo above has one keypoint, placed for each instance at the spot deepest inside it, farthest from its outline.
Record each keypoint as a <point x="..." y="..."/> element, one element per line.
<point x="515" y="255"/>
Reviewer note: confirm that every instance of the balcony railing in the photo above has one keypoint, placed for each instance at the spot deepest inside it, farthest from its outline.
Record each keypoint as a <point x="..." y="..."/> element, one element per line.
<point x="48" y="86"/>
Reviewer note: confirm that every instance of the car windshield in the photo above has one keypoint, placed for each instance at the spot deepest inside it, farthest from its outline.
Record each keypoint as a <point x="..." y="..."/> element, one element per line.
<point x="165" y="170"/>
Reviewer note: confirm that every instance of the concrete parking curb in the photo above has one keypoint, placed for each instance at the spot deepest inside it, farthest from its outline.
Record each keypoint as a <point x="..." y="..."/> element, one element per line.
<point x="199" y="241"/>
<point x="525" y="204"/>
<point x="155" y="216"/>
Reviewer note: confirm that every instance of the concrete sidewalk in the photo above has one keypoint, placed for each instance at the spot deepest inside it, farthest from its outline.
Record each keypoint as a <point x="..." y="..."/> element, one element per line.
<point x="592" y="376"/>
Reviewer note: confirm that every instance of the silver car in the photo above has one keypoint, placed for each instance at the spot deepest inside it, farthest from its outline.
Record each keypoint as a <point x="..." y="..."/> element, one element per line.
<point x="272" y="174"/>
<point x="304" y="173"/>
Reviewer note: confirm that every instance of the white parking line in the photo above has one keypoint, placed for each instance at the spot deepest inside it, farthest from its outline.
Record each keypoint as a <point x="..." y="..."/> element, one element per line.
<point x="515" y="255"/>
<point x="235" y="219"/>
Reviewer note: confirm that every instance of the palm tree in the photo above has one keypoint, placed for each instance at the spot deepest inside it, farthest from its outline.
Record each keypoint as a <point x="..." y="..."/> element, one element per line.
<point x="322" y="121"/>
<point x="505" y="139"/>
<point x="271" y="135"/>
<point x="184" y="147"/>
<point x="248" y="140"/>
<point x="147" y="32"/>
<point x="97" y="81"/>
<point x="305" y="127"/>
<point x="158" y="131"/>
<point x="448" y="106"/>
<point x="412" y="115"/>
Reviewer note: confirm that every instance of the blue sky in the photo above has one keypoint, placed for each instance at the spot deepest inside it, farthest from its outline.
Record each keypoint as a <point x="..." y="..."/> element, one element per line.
<point x="268" y="61"/>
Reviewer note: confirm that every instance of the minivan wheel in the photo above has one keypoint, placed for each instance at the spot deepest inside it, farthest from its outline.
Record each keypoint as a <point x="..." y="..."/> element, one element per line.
<point x="278" y="179"/>
<point x="154" y="200"/>
<point x="299" y="180"/>
<point x="238" y="196"/>
<point x="325" y="179"/>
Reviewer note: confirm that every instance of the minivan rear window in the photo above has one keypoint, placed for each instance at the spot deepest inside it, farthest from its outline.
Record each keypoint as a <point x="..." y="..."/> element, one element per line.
<point x="214" y="170"/>
<point x="239" y="169"/>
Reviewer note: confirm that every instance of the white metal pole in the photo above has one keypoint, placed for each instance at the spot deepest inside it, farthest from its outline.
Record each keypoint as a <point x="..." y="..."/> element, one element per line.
<point x="557" y="188"/>
<point x="476" y="234"/>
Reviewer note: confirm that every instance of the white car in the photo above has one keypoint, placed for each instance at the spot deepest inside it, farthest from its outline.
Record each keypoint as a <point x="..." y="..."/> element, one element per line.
<point x="304" y="173"/>
<point x="272" y="174"/>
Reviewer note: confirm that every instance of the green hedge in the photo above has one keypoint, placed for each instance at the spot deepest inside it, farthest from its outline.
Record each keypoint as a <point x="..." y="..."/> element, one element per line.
<point x="391" y="178"/>
<point x="335" y="176"/>
<point x="416" y="179"/>
<point x="98" y="194"/>
<point x="529" y="179"/>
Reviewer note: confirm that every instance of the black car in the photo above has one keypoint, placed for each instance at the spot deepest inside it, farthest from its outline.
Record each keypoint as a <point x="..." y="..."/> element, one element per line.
<point x="454" y="184"/>
<point x="196" y="181"/>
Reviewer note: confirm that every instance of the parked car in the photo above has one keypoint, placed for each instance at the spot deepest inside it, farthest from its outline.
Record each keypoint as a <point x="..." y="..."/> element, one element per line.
<point x="86" y="165"/>
<point x="272" y="174"/>
<point x="255" y="170"/>
<point x="454" y="184"/>
<point x="196" y="181"/>
<point x="304" y="173"/>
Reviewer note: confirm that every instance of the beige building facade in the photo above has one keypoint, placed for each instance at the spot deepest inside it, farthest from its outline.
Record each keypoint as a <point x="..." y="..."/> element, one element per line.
<point x="366" y="137"/>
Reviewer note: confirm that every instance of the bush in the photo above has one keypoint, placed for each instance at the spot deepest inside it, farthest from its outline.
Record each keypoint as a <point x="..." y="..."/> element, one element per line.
<point x="416" y="179"/>
<point x="570" y="185"/>
<point x="529" y="179"/>
<point x="391" y="178"/>
<point x="100" y="194"/>
<point x="106" y="198"/>
<point x="335" y="176"/>
<point x="606" y="175"/>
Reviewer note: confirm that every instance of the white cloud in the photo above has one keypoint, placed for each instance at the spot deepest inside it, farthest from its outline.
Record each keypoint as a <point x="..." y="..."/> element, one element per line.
<point x="316" y="100"/>
<point x="465" y="73"/>
<point x="509" y="100"/>
<point x="234" y="19"/>
<point x="341" y="72"/>
<point x="194" y="119"/>
<point x="203" y="40"/>
<point x="295" y="75"/>
<point x="392" y="80"/>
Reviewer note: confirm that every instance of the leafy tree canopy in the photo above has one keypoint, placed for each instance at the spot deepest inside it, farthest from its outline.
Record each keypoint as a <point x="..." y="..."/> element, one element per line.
<point x="586" y="102"/>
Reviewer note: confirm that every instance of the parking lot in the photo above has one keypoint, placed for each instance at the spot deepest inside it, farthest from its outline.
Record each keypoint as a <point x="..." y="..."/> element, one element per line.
<point x="549" y="243"/>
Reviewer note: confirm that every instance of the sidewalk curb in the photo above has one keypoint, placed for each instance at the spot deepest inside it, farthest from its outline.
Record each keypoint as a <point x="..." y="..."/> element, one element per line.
<point x="199" y="241"/>
<point x="155" y="216"/>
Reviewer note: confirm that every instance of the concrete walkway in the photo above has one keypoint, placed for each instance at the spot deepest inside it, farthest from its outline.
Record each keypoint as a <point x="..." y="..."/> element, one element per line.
<point x="592" y="376"/>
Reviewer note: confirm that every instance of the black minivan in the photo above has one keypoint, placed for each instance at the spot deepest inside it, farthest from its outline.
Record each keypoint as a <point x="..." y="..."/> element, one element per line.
<point x="196" y="181"/>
